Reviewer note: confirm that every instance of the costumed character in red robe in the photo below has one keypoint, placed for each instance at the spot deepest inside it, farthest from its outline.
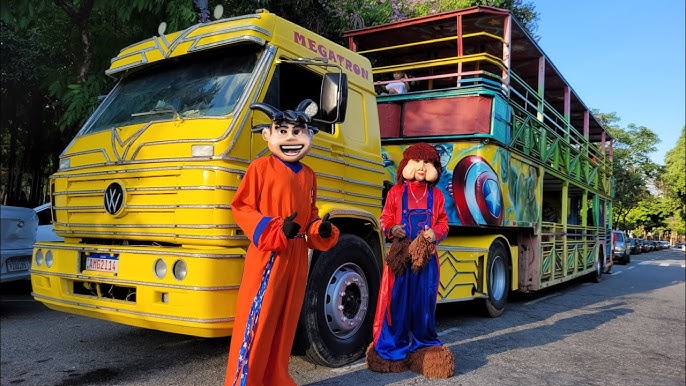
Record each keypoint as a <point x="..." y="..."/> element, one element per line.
<point x="275" y="205"/>
<point x="414" y="218"/>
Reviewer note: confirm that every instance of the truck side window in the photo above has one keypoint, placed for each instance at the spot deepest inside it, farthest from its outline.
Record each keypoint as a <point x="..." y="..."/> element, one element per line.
<point x="291" y="84"/>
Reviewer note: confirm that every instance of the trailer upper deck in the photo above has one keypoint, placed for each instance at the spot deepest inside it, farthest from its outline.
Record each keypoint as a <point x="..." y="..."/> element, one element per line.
<point x="479" y="47"/>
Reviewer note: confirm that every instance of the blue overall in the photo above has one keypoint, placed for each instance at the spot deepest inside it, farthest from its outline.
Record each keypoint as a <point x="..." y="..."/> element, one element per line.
<point x="413" y="298"/>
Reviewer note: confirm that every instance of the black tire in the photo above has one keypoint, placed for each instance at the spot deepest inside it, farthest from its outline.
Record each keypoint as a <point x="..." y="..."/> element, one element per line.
<point x="597" y="275"/>
<point x="336" y="320"/>
<point x="497" y="279"/>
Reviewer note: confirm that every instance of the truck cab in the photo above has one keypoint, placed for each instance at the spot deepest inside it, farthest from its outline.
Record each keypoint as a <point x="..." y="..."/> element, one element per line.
<point x="142" y="196"/>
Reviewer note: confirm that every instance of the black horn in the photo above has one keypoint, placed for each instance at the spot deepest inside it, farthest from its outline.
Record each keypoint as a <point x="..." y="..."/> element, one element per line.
<point x="272" y="112"/>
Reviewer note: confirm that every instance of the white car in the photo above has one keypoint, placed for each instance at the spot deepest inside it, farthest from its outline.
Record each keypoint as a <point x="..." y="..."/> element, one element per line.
<point x="18" y="232"/>
<point x="45" y="231"/>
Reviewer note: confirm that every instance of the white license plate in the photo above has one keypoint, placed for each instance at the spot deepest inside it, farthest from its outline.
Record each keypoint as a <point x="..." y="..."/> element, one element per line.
<point x="102" y="262"/>
<point x="18" y="264"/>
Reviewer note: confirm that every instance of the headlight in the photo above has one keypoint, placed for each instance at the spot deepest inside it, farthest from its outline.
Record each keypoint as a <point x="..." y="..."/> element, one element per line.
<point x="48" y="259"/>
<point x="160" y="268"/>
<point x="38" y="258"/>
<point x="180" y="269"/>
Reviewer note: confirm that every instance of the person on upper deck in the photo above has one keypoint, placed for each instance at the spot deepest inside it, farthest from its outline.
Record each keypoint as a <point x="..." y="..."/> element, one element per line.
<point x="400" y="84"/>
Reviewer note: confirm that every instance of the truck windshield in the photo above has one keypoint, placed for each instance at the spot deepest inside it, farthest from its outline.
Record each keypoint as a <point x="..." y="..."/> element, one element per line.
<point x="197" y="85"/>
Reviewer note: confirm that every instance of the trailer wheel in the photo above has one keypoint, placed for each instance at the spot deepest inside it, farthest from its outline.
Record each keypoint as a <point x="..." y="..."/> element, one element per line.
<point x="497" y="279"/>
<point x="597" y="275"/>
<point x="335" y="323"/>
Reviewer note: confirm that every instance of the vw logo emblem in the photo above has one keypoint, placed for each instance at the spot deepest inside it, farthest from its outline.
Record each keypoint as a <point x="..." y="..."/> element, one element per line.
<point x="114" y="198"/>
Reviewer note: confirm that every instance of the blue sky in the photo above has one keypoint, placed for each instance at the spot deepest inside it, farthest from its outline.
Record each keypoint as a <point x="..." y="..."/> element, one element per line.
<point x="622" y="56"/>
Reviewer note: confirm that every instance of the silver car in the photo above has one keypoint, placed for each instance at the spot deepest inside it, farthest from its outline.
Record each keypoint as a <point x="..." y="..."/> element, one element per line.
<point x="18" y="232"/>
<point x="621" y="249"/>
<point x="45" y="230"/>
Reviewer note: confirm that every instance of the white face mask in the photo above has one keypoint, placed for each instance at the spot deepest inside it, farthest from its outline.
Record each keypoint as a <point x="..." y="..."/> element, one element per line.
<point x="287" y="141"/>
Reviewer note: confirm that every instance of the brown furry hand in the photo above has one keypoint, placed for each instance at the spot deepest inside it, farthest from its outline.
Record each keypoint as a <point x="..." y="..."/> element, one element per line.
<point x="398" y="256"/>
<point x="421" y="250"/>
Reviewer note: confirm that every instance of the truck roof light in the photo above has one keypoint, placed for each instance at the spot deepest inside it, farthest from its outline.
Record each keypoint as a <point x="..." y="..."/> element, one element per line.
<point x="202" y="150"/>
<point x="65" y="163"/>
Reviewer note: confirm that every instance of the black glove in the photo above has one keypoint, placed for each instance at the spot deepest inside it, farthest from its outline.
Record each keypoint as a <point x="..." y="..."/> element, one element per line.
<point x="325" y="227"/>
<point x="290" y="227"/>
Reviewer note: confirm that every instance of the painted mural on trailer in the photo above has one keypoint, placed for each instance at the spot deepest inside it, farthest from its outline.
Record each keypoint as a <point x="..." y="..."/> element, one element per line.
<point x="482" y="184"/>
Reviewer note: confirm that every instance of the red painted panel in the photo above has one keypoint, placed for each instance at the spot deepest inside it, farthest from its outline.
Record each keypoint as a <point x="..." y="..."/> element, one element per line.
<point x="460" y="115"/>
<point x="389" y="120"/>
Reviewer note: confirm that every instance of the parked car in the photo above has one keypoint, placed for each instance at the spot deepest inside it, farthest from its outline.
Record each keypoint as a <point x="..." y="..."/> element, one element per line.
<point x="634" y="246"/>
<point x="45" y="230"/>
<point x="621" y="252"/>
<point x="18" y="233"/>
<point x="646" y="246"/>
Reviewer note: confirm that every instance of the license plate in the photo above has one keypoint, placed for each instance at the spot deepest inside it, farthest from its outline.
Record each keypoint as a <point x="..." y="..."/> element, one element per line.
<point x="18" y="264"/>
<point x="102" y="262"/>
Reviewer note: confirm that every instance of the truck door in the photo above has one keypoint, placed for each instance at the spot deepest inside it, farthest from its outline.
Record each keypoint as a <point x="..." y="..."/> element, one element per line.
<point x="289" y="85"/>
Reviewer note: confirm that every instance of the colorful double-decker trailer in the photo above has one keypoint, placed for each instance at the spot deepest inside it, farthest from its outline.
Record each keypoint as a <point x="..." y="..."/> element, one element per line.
<point x="527" y="167"/>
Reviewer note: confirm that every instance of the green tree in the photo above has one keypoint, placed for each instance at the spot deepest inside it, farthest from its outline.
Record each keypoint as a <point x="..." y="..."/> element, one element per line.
<point x="330" y="18"/>
<point x="53" y="61"/>
<point x="632" y="166"/>
<point x="30" y="145"/>
<point x="525" y="12"/>
<point x="649" y="215"/>
<point x="674" y="185"/>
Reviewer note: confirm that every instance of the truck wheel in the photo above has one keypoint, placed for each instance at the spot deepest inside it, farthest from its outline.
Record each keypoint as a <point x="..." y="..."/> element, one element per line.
<point x="497" y="279"/>
<point x="335" y="323"/>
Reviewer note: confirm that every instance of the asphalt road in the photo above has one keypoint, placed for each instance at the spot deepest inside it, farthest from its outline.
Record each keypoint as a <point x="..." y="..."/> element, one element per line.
<point x="628" y="330"/>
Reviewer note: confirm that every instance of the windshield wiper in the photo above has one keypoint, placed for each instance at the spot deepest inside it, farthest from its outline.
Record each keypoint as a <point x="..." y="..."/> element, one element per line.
<point x="166" y="109"/>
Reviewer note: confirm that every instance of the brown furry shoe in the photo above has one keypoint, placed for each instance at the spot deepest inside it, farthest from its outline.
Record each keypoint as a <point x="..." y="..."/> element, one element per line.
<point x="380" y="365"/>
<point x="432" y="362"/>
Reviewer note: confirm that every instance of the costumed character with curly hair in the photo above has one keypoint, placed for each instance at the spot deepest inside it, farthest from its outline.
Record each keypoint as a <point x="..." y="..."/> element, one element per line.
<point x="275" y="205"/>
<point x="414" y="217"/>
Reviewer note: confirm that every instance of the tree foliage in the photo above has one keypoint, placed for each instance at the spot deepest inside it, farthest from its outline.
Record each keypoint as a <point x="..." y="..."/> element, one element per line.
<point x="330" y="18"/>
<point x="54" y="54"/>
<point x="674" y="178"/>
<point x="525" y="12"/>
<point x="648" y="215"/>
<point x="30" y="144"/>
<point x="673" y="184"/>
<point x="632" y="167"/>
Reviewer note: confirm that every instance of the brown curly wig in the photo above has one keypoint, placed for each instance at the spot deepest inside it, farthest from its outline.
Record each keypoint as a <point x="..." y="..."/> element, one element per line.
<point x="420" y="151"/>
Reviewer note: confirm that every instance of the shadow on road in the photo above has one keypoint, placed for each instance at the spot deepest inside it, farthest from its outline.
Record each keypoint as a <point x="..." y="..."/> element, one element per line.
<point x="473" y="341"/>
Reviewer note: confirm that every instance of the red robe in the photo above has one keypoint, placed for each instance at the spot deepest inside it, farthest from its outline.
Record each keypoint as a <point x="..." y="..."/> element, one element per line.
<point x="270" y="191"/>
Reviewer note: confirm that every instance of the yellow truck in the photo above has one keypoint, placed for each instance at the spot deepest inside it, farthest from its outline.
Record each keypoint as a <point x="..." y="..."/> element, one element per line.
<point x="142" y="195"/>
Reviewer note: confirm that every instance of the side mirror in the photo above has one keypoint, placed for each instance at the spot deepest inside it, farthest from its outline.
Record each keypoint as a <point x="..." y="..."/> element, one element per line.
<point x="333" y="98"/>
